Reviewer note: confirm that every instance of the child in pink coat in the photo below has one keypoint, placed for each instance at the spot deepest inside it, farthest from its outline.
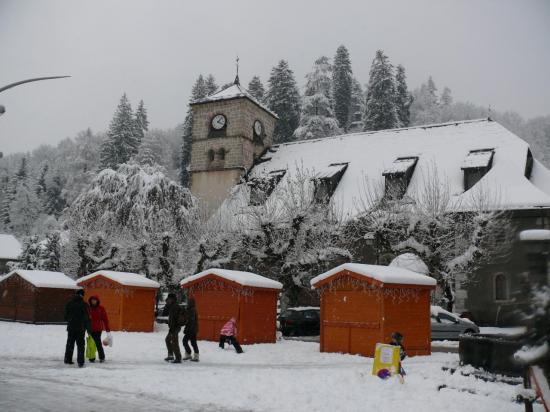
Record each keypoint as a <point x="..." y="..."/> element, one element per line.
<point x="227" y="334"/>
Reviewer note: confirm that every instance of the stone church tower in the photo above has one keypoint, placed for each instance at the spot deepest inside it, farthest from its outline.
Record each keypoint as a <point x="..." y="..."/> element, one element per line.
<point x="230" y="130"/>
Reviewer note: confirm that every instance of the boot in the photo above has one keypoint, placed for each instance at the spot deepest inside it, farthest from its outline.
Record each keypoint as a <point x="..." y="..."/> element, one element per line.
<point x="169" y="358"/>
<point x="187" y="356"/>
<point x="195" y="357"/>
<point x="176" y="361"/>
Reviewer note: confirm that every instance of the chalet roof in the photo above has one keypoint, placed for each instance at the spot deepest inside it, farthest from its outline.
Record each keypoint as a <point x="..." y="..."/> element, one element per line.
<point x="44" y="279"/>
<point x="234" y="91"/>
<point x="441" y="149"/>
<point x="123" y="278"/>
<point x="384" y="274"/>
<point x="242" y="278"/>
<point x="10" y="248"/>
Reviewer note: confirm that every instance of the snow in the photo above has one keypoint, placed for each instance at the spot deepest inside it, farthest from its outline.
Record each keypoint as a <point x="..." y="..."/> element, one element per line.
<point x="45" y="279"/>
<point x="329" y="171"/>
<point x="478" y="159"/>
<point x="123" y="278"/>
<point x="10" y="248"/>
<point x="532" y="354"/>
<point x="441" y="150"/>
<point x="242" y="278"/>
<point x="303" y="308"/>
<point x="384" y="274"/>
<point x="284" y="376"/>
<point x="400" y="165"/>
<point x="411" y="262"/>
<point x="233" y="92"/>
<point x="510" y="331"/>
<point x="436" y="310"/>
<point x="534" y="234"/>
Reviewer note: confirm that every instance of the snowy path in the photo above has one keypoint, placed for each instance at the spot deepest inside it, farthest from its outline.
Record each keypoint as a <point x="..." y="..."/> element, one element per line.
<point x="281" y="377"/>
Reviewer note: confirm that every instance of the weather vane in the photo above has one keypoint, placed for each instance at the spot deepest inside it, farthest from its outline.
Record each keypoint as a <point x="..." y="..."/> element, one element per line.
<point x="237" y="65"/>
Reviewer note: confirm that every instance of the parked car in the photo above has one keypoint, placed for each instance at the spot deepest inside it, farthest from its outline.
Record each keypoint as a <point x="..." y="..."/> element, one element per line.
<point x="448" y="326"/>
<point x="300" y="321"/>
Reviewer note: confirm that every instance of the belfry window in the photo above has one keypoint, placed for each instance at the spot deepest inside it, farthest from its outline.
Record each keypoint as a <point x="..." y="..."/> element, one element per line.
<point x="476" y="165"/>
<point x="398" y="177"/>
<point x="326" y="181"/>
<point x="529" y="164"/>
<point x="501" y="287"/>
<point x="262" y="187"/>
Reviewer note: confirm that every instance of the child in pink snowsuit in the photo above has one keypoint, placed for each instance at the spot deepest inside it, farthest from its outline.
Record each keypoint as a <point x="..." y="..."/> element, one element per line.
<point x="227" y="334"/>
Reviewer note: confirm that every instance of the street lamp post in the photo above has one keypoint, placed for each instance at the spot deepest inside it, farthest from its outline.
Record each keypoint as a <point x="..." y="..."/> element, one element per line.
<point x="35" y="79"/>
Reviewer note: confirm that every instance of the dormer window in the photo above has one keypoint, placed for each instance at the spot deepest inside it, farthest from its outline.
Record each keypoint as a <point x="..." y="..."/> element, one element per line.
<point x="262" y="187"/>
<point x="398" y="176"/>
<point x="476" y="165"/>
<point x="326" y="181"/>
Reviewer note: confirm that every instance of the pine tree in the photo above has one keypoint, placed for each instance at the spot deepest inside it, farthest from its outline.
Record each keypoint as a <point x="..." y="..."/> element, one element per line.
<point x="446" y="107"/>
<point x="141" y="122"/>
<point x="446" y="98"/>
<point x="7" y="199"/>
<point x="201" y="89"/>
<point x="403" y="97"/>
<point x="41" y="183"/>
<point x="30" y="257"/>
<point x="149" y="151"/>
<point x="425" y="108"/>
<point x="381" y="108"/>
<point x="122" y="141"/>
<point x="317" y="117"/>
<point x="51" y="252"/>
<point x="357" y="107"/>
<point x="283" y="98"/>
<point x="256" y="89"/>
<point x="22" y="172"/>
<point x="54" y="202"/>
<point x="342" y="82"/>
<point x="24" y="209"/>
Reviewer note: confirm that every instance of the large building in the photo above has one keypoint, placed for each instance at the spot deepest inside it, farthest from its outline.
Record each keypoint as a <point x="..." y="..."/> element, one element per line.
<point x="232" y="142"/>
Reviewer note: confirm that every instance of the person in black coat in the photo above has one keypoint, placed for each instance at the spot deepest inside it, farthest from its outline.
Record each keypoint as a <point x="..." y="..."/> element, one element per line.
<point x="78" y="322"/>
<point x="174" y="313"/>
<point x="191" y="330"/>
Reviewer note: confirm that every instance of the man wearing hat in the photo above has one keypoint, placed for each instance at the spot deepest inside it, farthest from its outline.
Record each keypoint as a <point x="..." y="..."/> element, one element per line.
<point x="78" y="322"/>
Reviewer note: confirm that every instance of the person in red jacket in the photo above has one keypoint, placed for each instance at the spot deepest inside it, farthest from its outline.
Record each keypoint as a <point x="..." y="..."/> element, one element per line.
<point x="99" y="323"/>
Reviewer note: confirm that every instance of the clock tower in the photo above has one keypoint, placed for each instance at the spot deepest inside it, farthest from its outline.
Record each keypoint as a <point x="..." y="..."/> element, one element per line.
<point x="230" y="130"/>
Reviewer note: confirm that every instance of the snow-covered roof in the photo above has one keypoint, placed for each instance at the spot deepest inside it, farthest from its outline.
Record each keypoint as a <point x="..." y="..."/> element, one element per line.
<point x="10" y="248"/>
<point x="384" y="274"/>
<point x="411" y="262"/>
<point x="443" y="149"/>
<point x="233" y="92"/>
<point x="45" y="279"/>
<point x="400" y="165"/>
<point x="478" y="159"/>
<point x="123" y="278"/>
<point x="535" y="234"/>
<point x="242" y="278"/>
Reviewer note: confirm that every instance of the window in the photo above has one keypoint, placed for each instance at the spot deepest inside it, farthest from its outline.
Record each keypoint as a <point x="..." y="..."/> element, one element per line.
<point x="221" y="153"/>
<point x="262" y="187"/>
<point x="398" y="176"/>
<point x="529" y="164"/>
<point x="476" y="165"/>
<point x="443" y="318"/>
<point x="211" y="155"/>
<point x="501" y="287"/>
<point x="326" y="181"/>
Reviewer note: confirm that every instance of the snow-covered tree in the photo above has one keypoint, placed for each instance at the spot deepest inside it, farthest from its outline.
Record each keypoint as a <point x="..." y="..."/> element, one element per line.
<point x="425" y="108"/>
<point x="54" y="202"/>
<point x="317" y="118"/>
<point x="24" y="209"/>
<point x="51" y="252"/>
<point x="201" y="89"/>
<point x="256" y="89"/>
<point x="31" y="255"/>
<point x="357" y="108"/>
<point x="141" y="121"/>
<point x="283" y="98"/>
<point x="122" y="140"/>
<point x="381" y="110"/>
<point x="149" y="151"/>
<point x="403" y="97"/>
<point x="342" y="84"/>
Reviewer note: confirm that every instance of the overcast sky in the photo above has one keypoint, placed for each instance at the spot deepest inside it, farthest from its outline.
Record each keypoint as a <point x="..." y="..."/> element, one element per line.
<point x="489" y="52"/>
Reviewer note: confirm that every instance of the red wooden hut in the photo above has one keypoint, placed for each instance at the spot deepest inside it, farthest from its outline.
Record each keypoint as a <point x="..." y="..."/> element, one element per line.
<point x="221" y="294"/>
<point x="362" y="305"/>
<point x="128" y="298"/>
<point x="35" y="296"/>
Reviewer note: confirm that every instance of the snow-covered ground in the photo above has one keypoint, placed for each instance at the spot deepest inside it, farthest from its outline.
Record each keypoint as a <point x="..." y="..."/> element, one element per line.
<point x="285" y="376"/>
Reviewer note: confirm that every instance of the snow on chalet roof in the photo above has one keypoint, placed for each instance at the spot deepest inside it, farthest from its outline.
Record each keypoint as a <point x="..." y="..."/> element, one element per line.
<point x="123" y="278"/>
<point x="384" y="274"/>
<point x="411" y="262"/>
<point x="478" y="159"/>
<point x="45" y="279"/>
<point x="233" y="92"/>
<point x="10" y="248"/>
<point x="442" y="148"/>
<point x="534" y="234"/>
<point x="242" y="278"/>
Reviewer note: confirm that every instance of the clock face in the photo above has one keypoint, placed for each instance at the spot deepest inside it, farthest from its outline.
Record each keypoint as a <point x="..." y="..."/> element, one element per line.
<point x="258" y="128"/>
<point x="218" y="122"/>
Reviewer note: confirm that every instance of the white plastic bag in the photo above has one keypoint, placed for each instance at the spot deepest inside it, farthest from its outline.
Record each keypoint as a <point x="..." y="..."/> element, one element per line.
<point x="108" y="341"/>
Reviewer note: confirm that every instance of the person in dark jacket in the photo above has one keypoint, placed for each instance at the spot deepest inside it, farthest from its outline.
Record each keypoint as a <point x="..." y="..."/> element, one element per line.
<point x="99" y="323"/>
<point x="191" y="330"/>
<point x="78" y="322"/>
<point x="397" y="340"/>
<point x="174" y="312"/>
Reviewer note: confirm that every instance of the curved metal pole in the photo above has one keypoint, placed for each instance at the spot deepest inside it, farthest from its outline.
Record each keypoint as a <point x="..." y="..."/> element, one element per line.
<point x="9" y="86"/>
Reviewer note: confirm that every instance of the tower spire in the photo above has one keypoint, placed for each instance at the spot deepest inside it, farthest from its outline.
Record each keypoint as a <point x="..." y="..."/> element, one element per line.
<point x="237" y="81"/>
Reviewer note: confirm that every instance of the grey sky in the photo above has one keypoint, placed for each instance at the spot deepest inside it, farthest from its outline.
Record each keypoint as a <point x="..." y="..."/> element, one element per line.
<point x="489" y="52"/>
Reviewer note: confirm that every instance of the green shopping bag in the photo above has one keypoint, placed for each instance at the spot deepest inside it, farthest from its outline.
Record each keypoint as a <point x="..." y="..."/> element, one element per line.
<point x="90" y="347"/>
